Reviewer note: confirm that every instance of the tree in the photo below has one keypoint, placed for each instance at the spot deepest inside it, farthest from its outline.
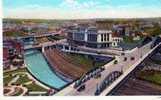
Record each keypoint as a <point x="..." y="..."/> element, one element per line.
<point x="156" y="31"/>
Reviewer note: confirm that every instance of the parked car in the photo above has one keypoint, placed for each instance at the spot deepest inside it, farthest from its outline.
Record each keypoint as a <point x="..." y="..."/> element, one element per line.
<point x="132" y="58"/>
<point x="81" y="88"/>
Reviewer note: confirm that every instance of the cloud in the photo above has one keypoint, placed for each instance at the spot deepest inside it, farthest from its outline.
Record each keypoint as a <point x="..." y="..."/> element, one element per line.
<point x="73" y="9"/>
<point x="75" y="5"/>
<point x="63" y="14"/>
<point x="70" y="1"/>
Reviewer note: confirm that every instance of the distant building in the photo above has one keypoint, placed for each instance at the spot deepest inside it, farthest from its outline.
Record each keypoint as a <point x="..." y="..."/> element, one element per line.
<point x="119" y="29"/>
<point x="11" y="50"/>
<point x="94" y="37"/>
<point x="116" y="39"/>
<point x="104" y="25"/>
<point x="6" y="61"/>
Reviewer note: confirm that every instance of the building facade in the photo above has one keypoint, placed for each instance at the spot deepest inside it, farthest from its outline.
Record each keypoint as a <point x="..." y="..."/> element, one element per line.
<point x="91" y="37"/>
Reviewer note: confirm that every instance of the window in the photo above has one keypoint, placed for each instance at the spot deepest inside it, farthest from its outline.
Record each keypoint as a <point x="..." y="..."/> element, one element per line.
<point x="107" y="37"/>
<point x="79" y="36"/>
<point x="92" y="37"/>
<point x="102" y="37"/>
<point x="66" y="48"/>
<point x="125" y="59"/>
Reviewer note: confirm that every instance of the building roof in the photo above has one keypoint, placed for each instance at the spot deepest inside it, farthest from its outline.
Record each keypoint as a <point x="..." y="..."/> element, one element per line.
<point x="115" y="34"/>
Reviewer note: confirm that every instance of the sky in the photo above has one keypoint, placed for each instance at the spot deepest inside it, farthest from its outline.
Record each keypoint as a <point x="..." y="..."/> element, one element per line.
<point x="81" y="9"/>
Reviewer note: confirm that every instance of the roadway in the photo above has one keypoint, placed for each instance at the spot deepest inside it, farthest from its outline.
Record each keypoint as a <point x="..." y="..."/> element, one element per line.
<point x="141" y="54"/>
<point x="40" y="35"/>
<point x="123" y="66"/>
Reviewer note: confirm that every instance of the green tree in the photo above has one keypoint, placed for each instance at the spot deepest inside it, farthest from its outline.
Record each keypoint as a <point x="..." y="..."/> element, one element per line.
<point x="156" y="31"/>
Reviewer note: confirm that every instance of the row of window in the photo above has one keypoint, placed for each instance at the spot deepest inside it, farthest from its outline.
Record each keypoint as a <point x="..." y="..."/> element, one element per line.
<point x="79" y="36"/>
<point x="93" y="45"/>
<point x="104" y="37"/>
<point x="116" y="39"/>
<point x="92" y="37"/>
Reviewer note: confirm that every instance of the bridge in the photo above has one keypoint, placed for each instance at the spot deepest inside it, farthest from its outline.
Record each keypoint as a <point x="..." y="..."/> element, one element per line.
<point x="45" y="35"/>
<point x="43" y="45"/>
<point x="113" y="73"/>
<point x="39" y="35"/>
<point x="86" y="53"/>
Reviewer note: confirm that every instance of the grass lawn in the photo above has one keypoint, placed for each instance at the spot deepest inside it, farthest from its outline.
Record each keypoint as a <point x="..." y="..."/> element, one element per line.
<point x="82" y="60"/>
<point x="152" y="76"/>
<point x="6" y="80"/>
<point x="129" y="40"/>
<point x="14" y="34"/>
<point x="156" y="61"/>
<point x="35" y="87"/>
<point x="129" y="43"/>
<point x="100" y="63"/>
<point x="9" y="77"/>
<point x="22" y="79"/>
<point x="15" y="71"/>
<point x="85" y="61"/>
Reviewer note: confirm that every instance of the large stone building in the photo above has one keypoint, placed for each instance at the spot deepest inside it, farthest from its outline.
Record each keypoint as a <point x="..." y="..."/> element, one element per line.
<point x="91" y="36"/>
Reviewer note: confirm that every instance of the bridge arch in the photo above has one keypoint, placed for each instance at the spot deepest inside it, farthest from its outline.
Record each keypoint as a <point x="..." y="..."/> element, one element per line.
<point x="107" y="81"/>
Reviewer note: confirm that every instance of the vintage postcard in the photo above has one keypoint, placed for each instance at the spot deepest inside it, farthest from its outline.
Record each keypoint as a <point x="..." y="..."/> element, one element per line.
<point x="81" y="47"/>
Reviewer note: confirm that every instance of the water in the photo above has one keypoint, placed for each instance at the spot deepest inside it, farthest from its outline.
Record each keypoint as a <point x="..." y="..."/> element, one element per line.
<point x="38" y="66"/>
